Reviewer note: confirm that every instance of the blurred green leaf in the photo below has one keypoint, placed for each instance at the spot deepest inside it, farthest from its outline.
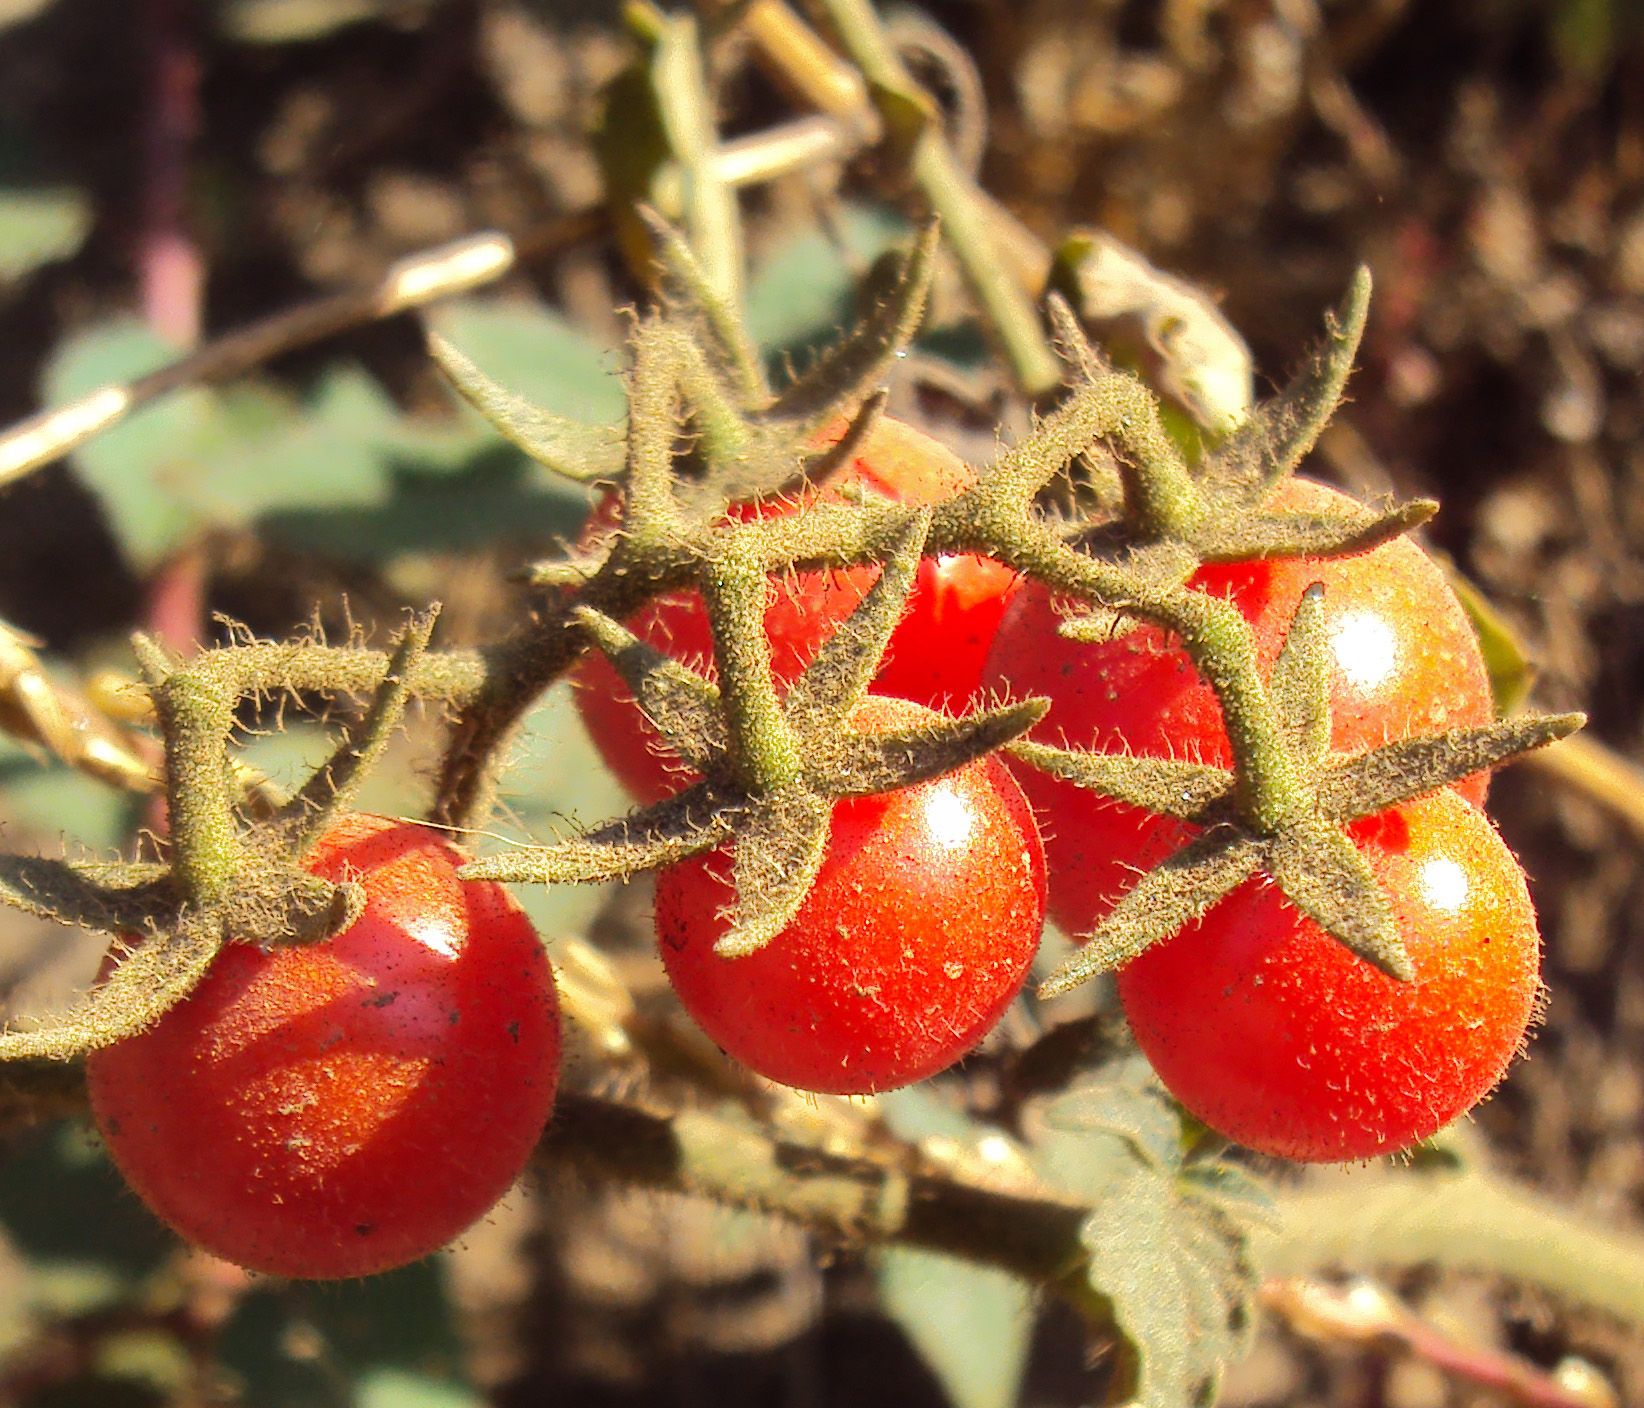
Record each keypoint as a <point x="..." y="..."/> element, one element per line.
<point x="37" y="226"/>
<point x="1167" y="1239"/>
<point x="971" y="1324"/>
<point x="335" y="1344"/>
<point x="491" y="499"/>
<point x="393" y="1388"/>
<point x="51" y="799"/>
<point x="537" y="354"/>
<point x="62" y="1202"/>
<point x="1512" y="675"/>
<point x="339" y="470"/>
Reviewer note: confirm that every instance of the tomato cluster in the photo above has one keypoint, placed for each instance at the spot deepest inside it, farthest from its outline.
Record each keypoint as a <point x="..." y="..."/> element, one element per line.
<point x="341" y="1108"/>
<point x="1263" y="1026"/>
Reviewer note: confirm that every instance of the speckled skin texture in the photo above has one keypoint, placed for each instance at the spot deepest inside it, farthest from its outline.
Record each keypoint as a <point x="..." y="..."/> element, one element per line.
<point x="1275" y="1035"/>
<point x="914" y="939"/>
<point x="341" y="1109"/>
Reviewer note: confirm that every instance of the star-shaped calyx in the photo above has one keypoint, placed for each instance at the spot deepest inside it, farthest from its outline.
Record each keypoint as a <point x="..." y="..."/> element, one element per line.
<point x="1176" y="517"/>
<point x="1306" y="851"/>
<point x="771" y="767"/>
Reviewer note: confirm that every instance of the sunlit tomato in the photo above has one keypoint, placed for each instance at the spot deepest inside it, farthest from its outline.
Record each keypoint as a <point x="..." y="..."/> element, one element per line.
<point x="1404" y="662"/>
<point x="344" y="1108"/>
<point x="935" y="656"/>
<point x="914" y="939"/>
<point x="1276" y="1036"/>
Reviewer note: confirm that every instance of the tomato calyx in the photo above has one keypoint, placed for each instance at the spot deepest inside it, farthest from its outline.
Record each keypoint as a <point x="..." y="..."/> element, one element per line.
<point x="771" y="769"/>
<point x="1308" y="855"/>
<point x="1175" y="519"/>
<point x="234" y="873"/>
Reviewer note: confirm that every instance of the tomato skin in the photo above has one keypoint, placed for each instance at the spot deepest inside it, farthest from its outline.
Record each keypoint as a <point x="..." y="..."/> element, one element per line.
<point x="914" y="939"/>
<point x="1276" y="1036"/>
<point x="1405" y="662"/>
<point x="344" y="1108"/>
<point x="935" y="656"/>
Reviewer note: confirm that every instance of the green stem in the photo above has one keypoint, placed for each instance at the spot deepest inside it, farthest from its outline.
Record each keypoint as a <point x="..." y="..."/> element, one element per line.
<point x="954" y="196"/>
<point x="196" y="712"/>
<point x="764" y="751"/>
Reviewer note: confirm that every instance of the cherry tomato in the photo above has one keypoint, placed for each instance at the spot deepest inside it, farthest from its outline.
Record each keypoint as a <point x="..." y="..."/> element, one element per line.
<point x="935" y="656"/>
<point x="1276" y="1036"/>
<point x="1404" y="660"/>
<point x="344" y="1108"/>
<point x="914" y="939"/>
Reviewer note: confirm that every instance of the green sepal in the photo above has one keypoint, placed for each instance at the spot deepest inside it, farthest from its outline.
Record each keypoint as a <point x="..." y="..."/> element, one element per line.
<point x="1163" y="786"/>
<point x="694" y="293"/>
<point x="1411" y="767"/>
<point x="683" y="707"/>
<point x="1299" y="684"/>
<point x="840" y="672"/>
<point x="843" y="376"/>
<point x="570" y="448"/>
<point x="109" y="899"/>
<point x="157" y="974"/>
<point x="1281" y="431"/>
<point x="698" y="819"/>
<point x="779" y="849"/>
<point x="332" y="787"/>
<point x="859" y="765"/>
<point x="1172" y="894"/>
<point x="1291" y="534"/>
<point x="1322" y="873"/>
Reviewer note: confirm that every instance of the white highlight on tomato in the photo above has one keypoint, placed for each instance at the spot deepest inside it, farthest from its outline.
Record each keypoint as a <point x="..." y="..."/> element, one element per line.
<point x="947" y="818"/>
<point x="1365" y="648"/>
<point x="1444" y="885"/>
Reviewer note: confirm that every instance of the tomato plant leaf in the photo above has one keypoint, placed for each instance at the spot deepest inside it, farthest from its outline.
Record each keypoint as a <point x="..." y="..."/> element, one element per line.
<point x="1125" y="1100"/>
<point x="1322" y="873"/>
<point x="1191" y="349"/>
<point x="779" y="849"/>
<point x="1163" y="786"/>
<point x="1164" y="1251"/>
<point x="1178" y="890"/>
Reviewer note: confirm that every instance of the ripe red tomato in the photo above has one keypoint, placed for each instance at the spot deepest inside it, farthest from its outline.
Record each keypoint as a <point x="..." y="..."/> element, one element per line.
<point x="1405" y="662"/>
<point x="344" y="1108"/>
<point x="914" y="939"/>
<point x="1275" y="1035"/>
<point x="935" y="656"/>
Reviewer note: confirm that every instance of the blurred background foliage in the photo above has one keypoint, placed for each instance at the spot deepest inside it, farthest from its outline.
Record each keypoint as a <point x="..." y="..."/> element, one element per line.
<point x="170" y="171"/>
